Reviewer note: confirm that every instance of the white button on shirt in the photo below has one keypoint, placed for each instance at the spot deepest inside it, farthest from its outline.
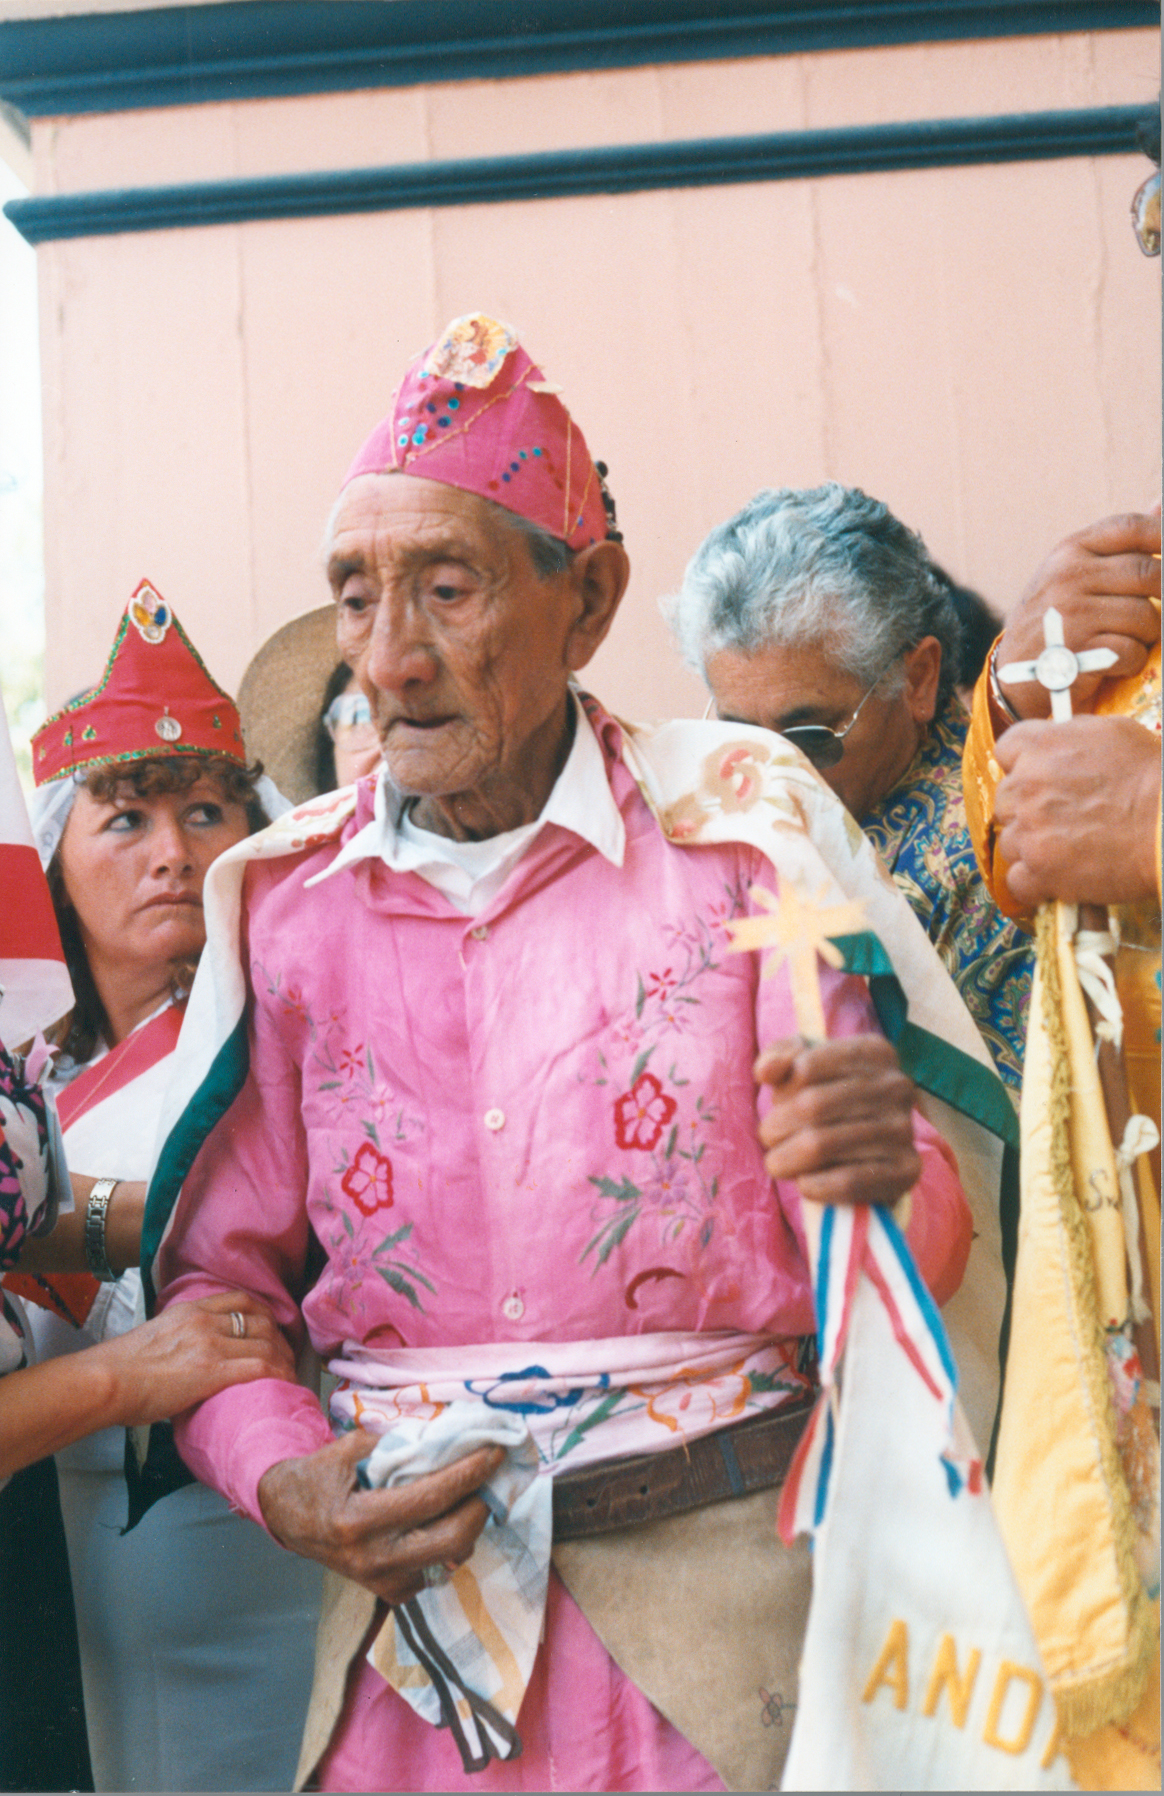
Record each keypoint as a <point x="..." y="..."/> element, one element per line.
<point x="513" y="1308"/>
<point x="495" y="1119"/>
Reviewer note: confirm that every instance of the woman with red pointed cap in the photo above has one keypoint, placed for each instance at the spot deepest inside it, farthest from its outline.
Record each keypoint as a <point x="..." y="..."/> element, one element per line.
<point x="142" y="783"/>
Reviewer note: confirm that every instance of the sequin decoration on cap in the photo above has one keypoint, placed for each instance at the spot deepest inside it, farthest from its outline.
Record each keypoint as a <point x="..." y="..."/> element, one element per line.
<point x="154" y="698"/>
<point x="475" y="412"/>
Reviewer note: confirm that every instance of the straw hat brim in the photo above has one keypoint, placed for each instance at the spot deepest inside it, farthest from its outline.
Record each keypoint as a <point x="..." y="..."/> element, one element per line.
<point x="281" y="697"/>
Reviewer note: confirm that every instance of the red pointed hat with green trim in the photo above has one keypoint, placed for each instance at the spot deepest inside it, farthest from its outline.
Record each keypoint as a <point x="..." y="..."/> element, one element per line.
<point x="154" y="698"/>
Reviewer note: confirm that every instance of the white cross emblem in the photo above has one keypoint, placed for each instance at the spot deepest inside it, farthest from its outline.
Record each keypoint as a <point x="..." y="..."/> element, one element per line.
<point x="1057" y="667"/>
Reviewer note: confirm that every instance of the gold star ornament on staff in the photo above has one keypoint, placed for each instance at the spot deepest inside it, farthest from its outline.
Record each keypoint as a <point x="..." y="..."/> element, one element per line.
<point x="800" y="934"/>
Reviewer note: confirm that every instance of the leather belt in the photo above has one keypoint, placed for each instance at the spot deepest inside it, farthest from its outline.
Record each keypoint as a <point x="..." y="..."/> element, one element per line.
<point x="620" y="1493"/>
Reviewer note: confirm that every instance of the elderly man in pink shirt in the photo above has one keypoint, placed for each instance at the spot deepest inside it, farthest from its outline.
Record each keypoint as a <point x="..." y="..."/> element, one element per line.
<point x="497" y="1130"/>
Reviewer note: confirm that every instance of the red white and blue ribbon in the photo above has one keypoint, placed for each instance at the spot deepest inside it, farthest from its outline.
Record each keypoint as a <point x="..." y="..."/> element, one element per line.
<point x="854" y="1242"/>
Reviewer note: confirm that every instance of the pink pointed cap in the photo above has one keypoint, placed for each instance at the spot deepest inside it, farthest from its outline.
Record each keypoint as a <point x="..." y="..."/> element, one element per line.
<point x="475" y="412"/>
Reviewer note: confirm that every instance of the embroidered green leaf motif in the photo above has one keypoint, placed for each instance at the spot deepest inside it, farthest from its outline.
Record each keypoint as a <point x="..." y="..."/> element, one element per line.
<point x="610" y="1234"/>
<point x="642" y="997"/>
<point x="622" y="1192"/>
<point x="641" y="1062"/>
<point x="402" y="1234"/>
<point x="672" y="1141"/>
<point x="401" y="1285"/>
<point x="371" y="1066"/>
<point x="330" y="1085"/>
<point x="370" y="1131"/>
<point x="599" y="1414"/>
<point x="347" y="1222"/>
<point x="673" y="1075"/>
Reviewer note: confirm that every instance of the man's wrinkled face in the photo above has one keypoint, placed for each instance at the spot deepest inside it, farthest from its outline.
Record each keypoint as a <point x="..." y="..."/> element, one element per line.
<point x="459" y="645"/>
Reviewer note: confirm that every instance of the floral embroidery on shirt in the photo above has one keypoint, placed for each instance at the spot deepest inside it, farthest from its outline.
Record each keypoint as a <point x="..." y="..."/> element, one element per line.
<point x="292" y="1001"/>
<point x="642" y="1113"/>
<point x="368" y="1180"/>
<point x="353" y="1260"/>
<point x="357" y="1092"/>
<point x="675" y="1192"/>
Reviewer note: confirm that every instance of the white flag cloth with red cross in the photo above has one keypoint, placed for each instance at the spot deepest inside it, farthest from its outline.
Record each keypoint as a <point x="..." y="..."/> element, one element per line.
<point x="34" y="982"/>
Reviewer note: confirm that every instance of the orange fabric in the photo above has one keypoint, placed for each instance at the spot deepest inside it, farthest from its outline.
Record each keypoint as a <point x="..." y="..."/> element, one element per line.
<point x="1138" y="697"/>
<point x="981" y="775"/>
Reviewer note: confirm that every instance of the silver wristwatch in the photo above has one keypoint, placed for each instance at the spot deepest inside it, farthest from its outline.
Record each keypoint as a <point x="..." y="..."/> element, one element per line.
<point x="96" y="1211"/>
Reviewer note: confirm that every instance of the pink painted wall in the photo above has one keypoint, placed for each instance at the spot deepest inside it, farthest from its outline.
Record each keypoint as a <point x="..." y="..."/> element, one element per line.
<point x="979" y="347"/>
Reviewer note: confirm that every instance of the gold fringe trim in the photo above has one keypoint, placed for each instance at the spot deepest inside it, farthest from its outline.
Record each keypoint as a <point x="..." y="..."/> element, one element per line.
<point x="1109" y="1696"/>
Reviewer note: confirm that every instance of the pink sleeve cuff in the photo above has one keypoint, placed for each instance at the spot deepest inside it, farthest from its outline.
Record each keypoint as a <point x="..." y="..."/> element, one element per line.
<point x="229" y="1441"/>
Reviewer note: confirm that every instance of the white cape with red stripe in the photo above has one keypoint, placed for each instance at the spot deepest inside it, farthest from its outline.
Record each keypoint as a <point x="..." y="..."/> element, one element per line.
<point x="108" y="1112"/>
<point x="34" y="984"/>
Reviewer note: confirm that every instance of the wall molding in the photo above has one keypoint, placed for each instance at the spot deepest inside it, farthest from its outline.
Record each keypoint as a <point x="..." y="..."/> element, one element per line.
<point x="182" y="55"/>
<point x="559" y="174"/>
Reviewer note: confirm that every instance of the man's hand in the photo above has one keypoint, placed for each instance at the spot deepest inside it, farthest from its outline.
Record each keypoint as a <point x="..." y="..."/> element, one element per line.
<point x="1101" y="582"/>
<point x="382" y="1539"/>
<point x="1077" y="810"/>
<point x="841" y="1122"/>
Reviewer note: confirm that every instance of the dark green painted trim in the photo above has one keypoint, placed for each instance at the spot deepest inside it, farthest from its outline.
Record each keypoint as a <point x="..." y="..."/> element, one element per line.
<point x="559" y="174"/>
<point x="967" y="1085"/>
<point x="176" y="56"/>
<point x="210" y="1102"/>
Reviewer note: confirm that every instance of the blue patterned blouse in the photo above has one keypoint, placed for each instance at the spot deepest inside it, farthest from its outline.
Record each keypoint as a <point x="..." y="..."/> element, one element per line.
<point x="920" y="830"/>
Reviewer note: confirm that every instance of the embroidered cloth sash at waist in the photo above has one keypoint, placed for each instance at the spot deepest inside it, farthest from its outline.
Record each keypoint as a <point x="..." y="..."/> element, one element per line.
<point x="461" y="1653"/>
<point x="583" y="1401"/>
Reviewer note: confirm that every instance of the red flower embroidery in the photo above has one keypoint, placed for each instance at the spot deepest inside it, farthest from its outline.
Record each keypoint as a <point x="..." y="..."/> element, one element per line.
<point x="368" y="1180"/>
<point x="642" y="1113"/>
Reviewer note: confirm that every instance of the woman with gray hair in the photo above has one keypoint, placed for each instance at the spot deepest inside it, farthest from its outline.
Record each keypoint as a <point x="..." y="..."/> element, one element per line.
<point x="818" y="614"/>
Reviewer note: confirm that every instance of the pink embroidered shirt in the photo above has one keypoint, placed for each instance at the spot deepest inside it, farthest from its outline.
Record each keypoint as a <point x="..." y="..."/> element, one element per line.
<point x="533" y="1123"/>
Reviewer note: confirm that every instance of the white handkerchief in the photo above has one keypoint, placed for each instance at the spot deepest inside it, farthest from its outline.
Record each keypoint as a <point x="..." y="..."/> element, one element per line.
<point x="461" y="1653"/>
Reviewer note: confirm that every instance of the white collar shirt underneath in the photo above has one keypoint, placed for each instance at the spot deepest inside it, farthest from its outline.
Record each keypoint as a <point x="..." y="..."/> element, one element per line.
<point x="470" y="874"/>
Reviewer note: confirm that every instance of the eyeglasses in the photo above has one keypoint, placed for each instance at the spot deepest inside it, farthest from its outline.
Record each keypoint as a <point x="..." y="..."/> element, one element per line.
<point x="822" y="746"/>
<point x="1146" y="215"/>
<point x="816" y="741"/>
<point x="348" y="711"/>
